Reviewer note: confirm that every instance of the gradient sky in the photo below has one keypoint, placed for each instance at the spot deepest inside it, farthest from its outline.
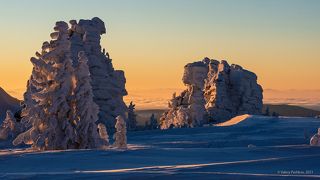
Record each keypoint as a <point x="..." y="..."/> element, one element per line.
<point x="151" y="40"/>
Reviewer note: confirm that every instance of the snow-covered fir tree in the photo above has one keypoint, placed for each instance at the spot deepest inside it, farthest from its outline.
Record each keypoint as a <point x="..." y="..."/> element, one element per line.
<point x="103" y="135"/>
<point x="267" y="113"/>
<point x="52" y="123"/>
<point x="132" y="117"/>
<point x="153" y="122"/>
<point x="85" y="110"/>
<point x="9" y="127"/>
<point x="120" y="137"/>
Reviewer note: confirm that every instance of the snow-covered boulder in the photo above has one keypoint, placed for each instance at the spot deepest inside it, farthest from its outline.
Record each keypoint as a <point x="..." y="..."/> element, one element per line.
<point x="215" y="91"/>
<point x="315" y="139"/>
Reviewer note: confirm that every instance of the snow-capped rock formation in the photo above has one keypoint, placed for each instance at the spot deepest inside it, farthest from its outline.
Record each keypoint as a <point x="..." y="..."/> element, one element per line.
<point x="120" y="137"/>
<point x="216" y="91"/>
<point x="108" y="84"/>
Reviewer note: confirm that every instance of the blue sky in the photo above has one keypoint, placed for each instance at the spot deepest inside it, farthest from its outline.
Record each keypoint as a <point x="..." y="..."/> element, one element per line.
<point x="153" y="39"/>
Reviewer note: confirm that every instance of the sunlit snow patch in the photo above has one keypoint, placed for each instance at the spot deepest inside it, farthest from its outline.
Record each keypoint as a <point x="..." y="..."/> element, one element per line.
<point x="235" y="120"/>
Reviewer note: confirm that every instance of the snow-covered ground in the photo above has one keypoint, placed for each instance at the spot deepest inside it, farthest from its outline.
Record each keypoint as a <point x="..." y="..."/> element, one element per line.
<point x="254" y="148"/>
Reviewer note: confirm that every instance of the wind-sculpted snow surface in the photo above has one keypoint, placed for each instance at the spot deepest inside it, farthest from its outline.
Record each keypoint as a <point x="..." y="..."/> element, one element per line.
<point x="258" y="147"/>
<point x="216" y="91"/>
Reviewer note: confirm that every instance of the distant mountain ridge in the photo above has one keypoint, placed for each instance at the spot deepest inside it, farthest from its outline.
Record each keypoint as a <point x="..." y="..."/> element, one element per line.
<point x="291" y="110"/>
<point x="281" y="109"/>
<point x="7" y="102"/>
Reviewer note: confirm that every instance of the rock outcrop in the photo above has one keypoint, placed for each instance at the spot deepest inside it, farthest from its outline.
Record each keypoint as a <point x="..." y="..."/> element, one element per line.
<point x="108" y="84"/>
<point x="216" y="91"/>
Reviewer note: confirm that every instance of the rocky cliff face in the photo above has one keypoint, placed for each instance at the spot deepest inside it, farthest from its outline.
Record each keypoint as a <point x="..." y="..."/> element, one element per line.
<point x="108" y="84"/>
<point x="216" y="91"/>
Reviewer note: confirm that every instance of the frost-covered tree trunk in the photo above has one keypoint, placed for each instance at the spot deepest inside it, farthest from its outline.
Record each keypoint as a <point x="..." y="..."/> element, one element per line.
<point x="132" y="117"/>
<point x="86" y="111"/>
<point x="9" y="127"/>
<point x="120" y="136"/>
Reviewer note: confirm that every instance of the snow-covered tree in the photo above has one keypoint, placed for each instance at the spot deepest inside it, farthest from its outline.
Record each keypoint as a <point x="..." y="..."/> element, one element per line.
<point x="153" y="122"/>
<point x="9" y="127"/>
<point x="120" y="137"/>
<point x="176" y="118"/>
<point x="132" y="117"/>
<point x="275" y="114"/>
<point x="103" y="135"/>
<point x="52" y="123"/>
<point x="267" y="113"/>
<point x="85" y="110"/>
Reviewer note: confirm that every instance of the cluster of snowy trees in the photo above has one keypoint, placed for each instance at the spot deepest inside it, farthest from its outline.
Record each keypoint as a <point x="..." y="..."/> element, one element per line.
<point x="132" y="120"/>
<point x="268" y="113"/>
<point x="177" y="117"/>
<point x="59" y="109"/>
